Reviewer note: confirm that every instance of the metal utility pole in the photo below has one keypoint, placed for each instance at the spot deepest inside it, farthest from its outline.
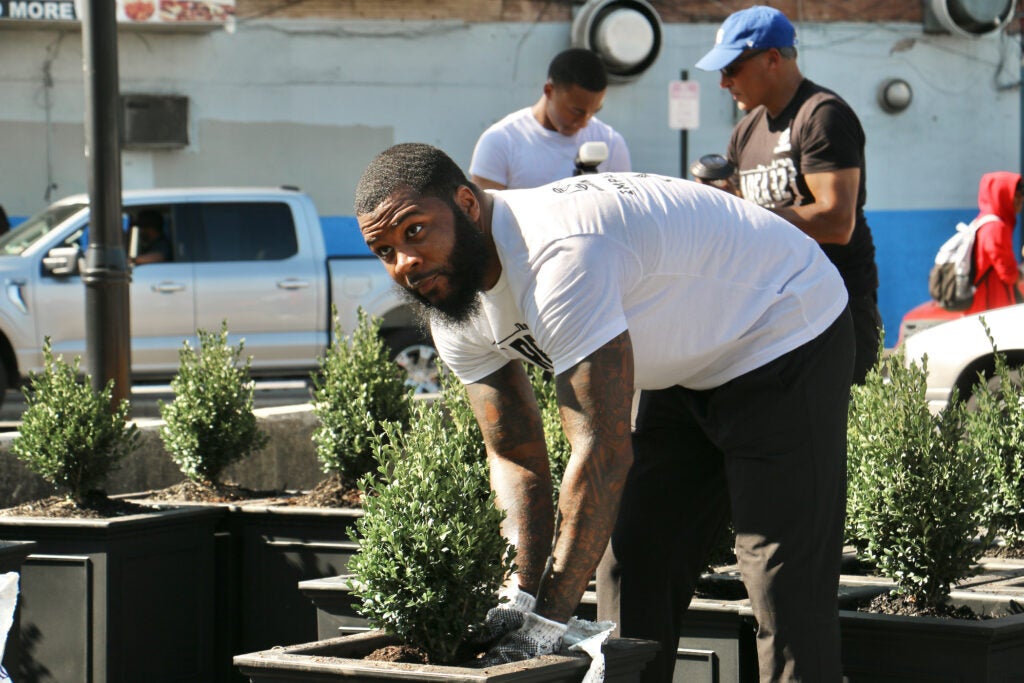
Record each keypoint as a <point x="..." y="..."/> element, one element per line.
<point x="106" y="276"/>
<point x="684" y="139"/>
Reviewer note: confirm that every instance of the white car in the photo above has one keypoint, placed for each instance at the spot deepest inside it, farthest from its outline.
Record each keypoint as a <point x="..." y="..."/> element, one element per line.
<point x="959" y="349"/>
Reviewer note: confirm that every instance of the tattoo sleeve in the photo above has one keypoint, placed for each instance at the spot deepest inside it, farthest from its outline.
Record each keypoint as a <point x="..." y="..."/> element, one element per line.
<point x="505" y="407"/>
<point x="595" y="398"/>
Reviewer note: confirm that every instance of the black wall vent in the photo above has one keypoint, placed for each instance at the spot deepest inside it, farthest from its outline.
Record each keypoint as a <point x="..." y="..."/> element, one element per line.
<point x="967" y="18"/>
<point x="154" y="121"/>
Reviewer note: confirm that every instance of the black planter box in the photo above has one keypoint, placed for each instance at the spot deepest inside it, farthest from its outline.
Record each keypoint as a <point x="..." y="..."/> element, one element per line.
<point x="716" y="642"/>
<point x="12" y="556"/>
<point x="280" y="546"/>
<point x="340" y="659"/>
<point x="896" y="649"/>
<point x="118" y="600"/>
<point x="335" y="607"/>
<point x="263" y="549"/>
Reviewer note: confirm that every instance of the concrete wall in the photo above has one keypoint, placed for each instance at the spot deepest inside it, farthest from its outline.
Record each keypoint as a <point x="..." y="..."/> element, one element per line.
<point x="309" y="101"/>
<point x="288" y="461"/>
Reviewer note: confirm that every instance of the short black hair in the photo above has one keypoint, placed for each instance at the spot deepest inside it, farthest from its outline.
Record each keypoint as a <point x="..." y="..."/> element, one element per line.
<point x="578" y="66"/>
<point x="424" y="169"/>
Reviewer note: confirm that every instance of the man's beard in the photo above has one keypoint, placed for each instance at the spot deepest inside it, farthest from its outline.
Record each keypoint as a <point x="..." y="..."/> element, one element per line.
<point x="464" y="272"/>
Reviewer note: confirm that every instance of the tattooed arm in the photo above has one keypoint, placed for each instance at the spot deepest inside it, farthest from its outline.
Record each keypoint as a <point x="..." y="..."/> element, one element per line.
<point x="596" y="399"/>
<point x="506" y="408"/>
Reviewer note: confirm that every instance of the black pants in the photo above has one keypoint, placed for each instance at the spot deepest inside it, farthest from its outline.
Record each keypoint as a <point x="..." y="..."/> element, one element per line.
<point x="771" y="447"/>
<point x="867" y="330"/>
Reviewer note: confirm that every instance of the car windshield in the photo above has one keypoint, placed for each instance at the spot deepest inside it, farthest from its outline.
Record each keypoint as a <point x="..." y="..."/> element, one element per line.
<point x="22" y="237"/>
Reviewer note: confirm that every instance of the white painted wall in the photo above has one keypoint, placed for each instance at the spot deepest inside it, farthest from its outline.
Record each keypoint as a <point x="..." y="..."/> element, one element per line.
<point x="444" y="82"/>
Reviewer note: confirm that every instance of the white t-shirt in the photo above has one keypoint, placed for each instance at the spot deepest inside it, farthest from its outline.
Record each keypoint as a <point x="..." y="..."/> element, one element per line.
<point x="709" y="286"/>
<point x="518" y="152"/>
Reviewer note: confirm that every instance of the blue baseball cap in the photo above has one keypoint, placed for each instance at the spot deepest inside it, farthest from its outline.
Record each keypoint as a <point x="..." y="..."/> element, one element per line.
<point x="755" y="28"/>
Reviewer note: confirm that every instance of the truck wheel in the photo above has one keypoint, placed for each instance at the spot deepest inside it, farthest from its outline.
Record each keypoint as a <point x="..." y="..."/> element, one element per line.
<point x="415" y="353"/>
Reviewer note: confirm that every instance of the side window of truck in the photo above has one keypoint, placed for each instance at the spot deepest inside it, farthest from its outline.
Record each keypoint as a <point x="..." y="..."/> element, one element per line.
<point x="148" y="233"/>
<point x="245" y="231"/>
<point x="151" y="235"/>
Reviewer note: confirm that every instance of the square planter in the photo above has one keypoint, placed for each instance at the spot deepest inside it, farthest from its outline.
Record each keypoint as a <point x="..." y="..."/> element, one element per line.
<point x="716" y="639"/>
<point x="717" y="636"/>
<point x="716" y="642"/>
<point x="279" y="546"/>
<point x="896" y="649"/>
<point x="335" y="607"/>
<point x="227" y="578"/>
<point x="12" y="556"/>
<point x="117" y="600"/>
<point x="263" y="549"/>
<point x="340" y="659"/>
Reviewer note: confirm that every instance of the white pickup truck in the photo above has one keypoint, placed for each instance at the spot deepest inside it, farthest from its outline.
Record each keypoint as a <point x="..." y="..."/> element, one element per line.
<point x="251" y="256"/>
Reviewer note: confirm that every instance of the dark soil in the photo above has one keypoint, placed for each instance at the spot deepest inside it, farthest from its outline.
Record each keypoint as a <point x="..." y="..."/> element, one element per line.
<point x="96" y="506"/>
<point x="332" y="492"/>
<point x="194" y="492"/>
<point x="901" y="605"/>
<point x="399" y="653"/>
<point x="329" y="493"/>
<point x="717" y="588"/>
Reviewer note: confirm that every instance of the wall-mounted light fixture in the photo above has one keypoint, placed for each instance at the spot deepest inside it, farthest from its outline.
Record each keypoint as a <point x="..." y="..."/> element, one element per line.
<point x="625" y="34"/>
<point x="894" y="95"/>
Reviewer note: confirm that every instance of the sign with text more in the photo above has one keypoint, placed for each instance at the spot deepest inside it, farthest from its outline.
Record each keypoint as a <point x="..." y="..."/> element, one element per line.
<point x="139" y="12"/>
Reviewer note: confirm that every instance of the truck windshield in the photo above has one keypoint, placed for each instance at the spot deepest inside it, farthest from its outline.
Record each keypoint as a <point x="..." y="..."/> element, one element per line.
<point x="22" y="237"/>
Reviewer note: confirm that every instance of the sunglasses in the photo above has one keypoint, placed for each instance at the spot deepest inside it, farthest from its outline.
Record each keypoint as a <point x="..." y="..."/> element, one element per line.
<point x="733" y="67"/>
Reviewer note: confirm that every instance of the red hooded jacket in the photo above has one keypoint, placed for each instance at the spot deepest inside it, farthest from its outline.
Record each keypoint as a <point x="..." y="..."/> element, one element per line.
<point x="994" y="260"/>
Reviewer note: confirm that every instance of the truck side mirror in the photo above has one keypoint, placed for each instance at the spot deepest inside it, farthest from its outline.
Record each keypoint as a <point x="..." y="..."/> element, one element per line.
<point x="133" y="243"/>
<point x="62" y="261"/>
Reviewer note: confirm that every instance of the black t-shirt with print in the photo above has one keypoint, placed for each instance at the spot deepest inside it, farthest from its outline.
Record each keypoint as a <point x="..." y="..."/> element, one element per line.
<point x="816" y="132"/>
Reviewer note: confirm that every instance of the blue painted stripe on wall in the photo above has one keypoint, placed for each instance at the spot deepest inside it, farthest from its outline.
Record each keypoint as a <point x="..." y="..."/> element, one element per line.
<point x="905" y="246"/>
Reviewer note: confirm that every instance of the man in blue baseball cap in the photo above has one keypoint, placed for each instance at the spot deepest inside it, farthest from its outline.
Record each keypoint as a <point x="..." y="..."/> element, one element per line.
<point x="800" y="153"/>
<point x="757" y="28"/>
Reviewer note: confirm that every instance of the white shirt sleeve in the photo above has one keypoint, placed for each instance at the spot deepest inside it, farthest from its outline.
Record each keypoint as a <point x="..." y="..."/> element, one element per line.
<point x="580" y="283"/>
<point x="490" y="157"/>
<point x="618" y="155"/>
<point x="467" y="351"/>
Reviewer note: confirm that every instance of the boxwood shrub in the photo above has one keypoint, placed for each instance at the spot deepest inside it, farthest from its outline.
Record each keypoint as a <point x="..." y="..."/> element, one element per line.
<point x="995" y="426"/>
<point x="210" y="423"/>
<point x="70" y="433"/>
<point x="357" y="389"/>
<point x="918" y="490"/>
<point x="431" y="556"/>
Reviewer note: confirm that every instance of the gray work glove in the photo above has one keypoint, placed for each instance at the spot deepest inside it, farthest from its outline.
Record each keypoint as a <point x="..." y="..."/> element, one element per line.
<point x="537" y="636"/>
<point x="503" y="619"/>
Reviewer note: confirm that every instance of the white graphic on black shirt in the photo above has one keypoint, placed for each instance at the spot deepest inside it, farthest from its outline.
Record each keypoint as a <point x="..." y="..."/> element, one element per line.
<point x="770" y="186"/>
<point x="783" y="145"/>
